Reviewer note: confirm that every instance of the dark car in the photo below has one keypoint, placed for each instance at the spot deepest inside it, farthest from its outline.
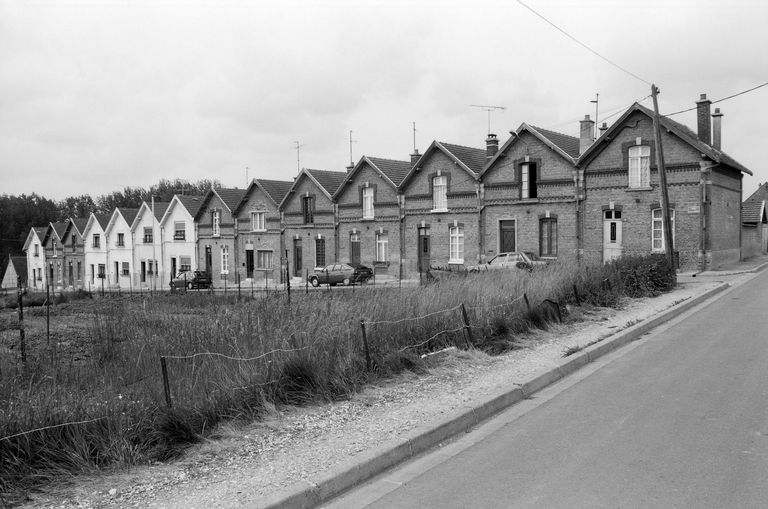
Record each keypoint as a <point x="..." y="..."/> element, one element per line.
<point x="189" y="279"/>
<point x="340" y="273"/>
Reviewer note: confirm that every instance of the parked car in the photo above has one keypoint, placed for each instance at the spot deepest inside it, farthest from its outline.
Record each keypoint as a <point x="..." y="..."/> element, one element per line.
<point x="340" y="273"/>
<point x="511" y="260"/>
<point x="189" y="279"/>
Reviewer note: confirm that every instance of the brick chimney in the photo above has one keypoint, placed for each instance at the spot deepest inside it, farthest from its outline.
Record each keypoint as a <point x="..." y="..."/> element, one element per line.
<point x="703" y="119"/>
<point x="491" y="146"/>
<point x="586" y="134"/>
<point x="415" y="156"/>
<point x="603" y="128"/>
<point x="717" y="121"/>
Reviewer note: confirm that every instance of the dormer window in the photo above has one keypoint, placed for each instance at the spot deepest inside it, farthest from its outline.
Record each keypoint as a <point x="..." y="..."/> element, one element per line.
<point x="367" y="203"/>
<point x="639" y="166"/>
<point x="440" y="194"/>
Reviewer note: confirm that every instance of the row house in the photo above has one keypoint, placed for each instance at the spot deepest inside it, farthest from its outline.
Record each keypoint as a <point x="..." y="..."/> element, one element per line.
<point x="72" y="251"/>
<point x="54" y="255"/>
<point x="119" y="248"/>
<point x="216" y="225"/>
<point x="309" y="220"/>
<point x="148" y="260"/>
<point x="178" y="236"/>
<point x="95" y="249"/>
<point x="754" y="222"/>
<point x="37" y="275"/>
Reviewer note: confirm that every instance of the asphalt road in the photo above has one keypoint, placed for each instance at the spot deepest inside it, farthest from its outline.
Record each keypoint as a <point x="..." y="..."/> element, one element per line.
<point x="677" y="419"/>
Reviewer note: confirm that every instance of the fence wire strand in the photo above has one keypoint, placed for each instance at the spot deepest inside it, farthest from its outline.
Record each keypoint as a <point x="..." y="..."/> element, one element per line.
<point x="430" y="339"/>
<point x="51" y="427"/>
<point x="392" y="322"/>
<point x="242" y="359"/>
<point x="498" y="305"/>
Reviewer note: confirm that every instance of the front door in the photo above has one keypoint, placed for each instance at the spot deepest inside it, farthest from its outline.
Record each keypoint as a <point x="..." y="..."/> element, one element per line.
<point x="173" y="267"/>
<point x="354" y="248"/>
<point x="143" y="271"/>
<point x="297" y="258"/>
<point x="424" y="249"/>
<point x="249" y="263"/>
<point x="208" y="260"/>
<point x="507" y="236"/>
<point x="71" y="275"/>
<point x="611" y="235"/>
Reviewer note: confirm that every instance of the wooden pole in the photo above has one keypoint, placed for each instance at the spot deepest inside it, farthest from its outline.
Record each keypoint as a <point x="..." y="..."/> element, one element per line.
<point x="467" y="327"/>
<point x="48" y="314"/>
<point x="365" y="346"/>
<point x="166" y="385"/>
<point x="21" y="325"/>
<point x="669" y="248"/>
<point x="576" y="295"/>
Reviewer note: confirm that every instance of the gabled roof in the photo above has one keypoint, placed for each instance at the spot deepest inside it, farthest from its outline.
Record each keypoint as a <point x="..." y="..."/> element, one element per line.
<point x="230" y="197"/>
<point x="684" y="133"/>
<point x="191" y="204"/>
<point x="101" y="219"/>
<point x="760" y="194"/>
<point x="57" y="228"/>
<point x="564" y="145"/>
<point x="146" y="208"/>
<point x="128" y="215"/>
<point x="327" y="181"/>
<point x="78" y="223"/>
<point x="275" y="190"/>
<point x="35" y="231"/>
<point x="19" y="264"/>
<point x="753" y="212"/>
<point x="469" y="159"/>
<point x="393" y="171"/>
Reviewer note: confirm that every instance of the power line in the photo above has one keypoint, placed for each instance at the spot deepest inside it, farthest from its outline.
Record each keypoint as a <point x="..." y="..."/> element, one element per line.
<point x="720" y="100"/>
<point x="616" y="111"/>
<point x="583" y="45"/>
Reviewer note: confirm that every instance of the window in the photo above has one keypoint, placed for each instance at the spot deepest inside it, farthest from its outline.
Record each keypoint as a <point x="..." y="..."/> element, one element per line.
<point x="37" y="249"/>
<point x="39" y="274"/>
<point x="102" y="271"/>
<point x="319" y="252"/>
<point x="216" y="222"/>
<point x="126" y="269"/>
<point x="382" y="247"/>
<point x="55" y="249"/>
<point x="148" y="236"/>
<point x="179" y="230"/>
<point x="96" y="241"/>
<point x="225" y="259"/>
<point x="258" y="221"/>
<point x="79" y="270"/>
<point x="548" y="237"/>
<point x="657" y="229"/>
<point x="264" y="259"/>
<point x="185" y="263"/>
<point x="640" y="166"/>
<point x="440" y="194"/>
<point x="456" y="250"/>
<point x="150" y="267"/>
<point x="120" y="240"/>
<point x="367" y="203"/>
<point x="74" y="242"/>
<point x="308" y="209"/>
<point x="528" y="181"/>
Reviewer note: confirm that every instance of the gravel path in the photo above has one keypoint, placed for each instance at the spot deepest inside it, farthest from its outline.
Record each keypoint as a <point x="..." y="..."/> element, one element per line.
<point x="243" y="464"/>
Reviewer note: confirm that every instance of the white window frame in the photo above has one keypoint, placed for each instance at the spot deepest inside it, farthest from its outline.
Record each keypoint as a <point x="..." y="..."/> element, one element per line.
<point x="216" y="222"/>
<point x="225" y="259"/>
<point x="264" y="259"/>
<point x="149" y="235"/>
<point x="440" y="193"/>
<point x="258" y="221"/>
<point x="525" y="181"/>
<point x="125" y="269"/>
<point x="639" y="171"/>
<point x="658" y="243"/>
<point x="121" y="240"/>
<point x="382" y="247"/>
<point x="456" y="244"/>
<point x="368" y="211"/>
<point x="96" y="241"/>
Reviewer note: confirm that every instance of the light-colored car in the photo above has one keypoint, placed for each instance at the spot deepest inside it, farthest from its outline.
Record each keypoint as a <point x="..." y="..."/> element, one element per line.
<point x="511" y="260"/>
<point x="340" y="273"/>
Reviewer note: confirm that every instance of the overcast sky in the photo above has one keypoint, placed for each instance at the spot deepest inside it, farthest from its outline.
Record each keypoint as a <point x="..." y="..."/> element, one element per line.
<point x="99" y="95"/>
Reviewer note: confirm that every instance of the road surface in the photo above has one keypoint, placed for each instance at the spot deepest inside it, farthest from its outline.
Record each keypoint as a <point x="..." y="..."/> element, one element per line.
<point x="677" y="419"/>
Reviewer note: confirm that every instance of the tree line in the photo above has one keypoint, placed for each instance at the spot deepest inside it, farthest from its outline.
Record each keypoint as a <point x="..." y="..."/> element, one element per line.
<point x="20" y="213"/>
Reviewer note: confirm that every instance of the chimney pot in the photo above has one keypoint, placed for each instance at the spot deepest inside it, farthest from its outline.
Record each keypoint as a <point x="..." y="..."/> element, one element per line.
<point x="415" y="156"/>
<point x="603" y="128"/>
<point x="717" y="123"/>
<point x="491" y="146"/>
<point x="704" y="122"/>
<point x="586" y="136"/>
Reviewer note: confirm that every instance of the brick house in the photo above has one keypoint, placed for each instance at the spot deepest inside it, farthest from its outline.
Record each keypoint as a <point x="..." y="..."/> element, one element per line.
<point x="309" y="220"/>
<point x="216" y="225"/>
<point x="441" y="204"/>
<point x="119" y="246"/>
<point x="37" y="275"/>
<point x="53" y="253"/>
<point x="754" y="223"/>
<point x="95" y="249"/>
<point x="73" y="253"/>
<point x="368" y="206"/>
<point x="529" y="196"/>
<point x="259" y="244"/>
<point x="621" y="210"/>
<point x="147" y="249"/>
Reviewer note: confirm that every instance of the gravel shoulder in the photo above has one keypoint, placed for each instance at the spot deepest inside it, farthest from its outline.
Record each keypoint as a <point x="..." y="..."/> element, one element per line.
<point x="243" y="464"/>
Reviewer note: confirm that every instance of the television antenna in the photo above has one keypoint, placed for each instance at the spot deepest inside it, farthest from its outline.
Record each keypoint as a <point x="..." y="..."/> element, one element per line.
<point x="351" y="141"/>
<point x="298" y="156"/>
<point x="596" y="102"/>
<point x="489" y="109"/>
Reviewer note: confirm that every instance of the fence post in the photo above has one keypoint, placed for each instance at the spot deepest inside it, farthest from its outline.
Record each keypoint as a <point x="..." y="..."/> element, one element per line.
<point x="467" y="327"/>
<point x="48" y="314"/>
<point x="576" y="295"/>
<point x="166" y="386"/>
<point x="306" y="281"/>
<point x="527" y="304"/>
<point x="238" y="286"/>
<point x="21" y="325"/>
<point x="365" y="346"/>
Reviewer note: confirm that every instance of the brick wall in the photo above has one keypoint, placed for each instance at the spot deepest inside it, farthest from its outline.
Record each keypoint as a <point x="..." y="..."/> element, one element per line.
<point x="269" y="240"/>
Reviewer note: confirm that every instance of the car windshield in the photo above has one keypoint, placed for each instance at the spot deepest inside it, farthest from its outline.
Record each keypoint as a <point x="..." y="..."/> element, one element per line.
<point x="501" y="258"/>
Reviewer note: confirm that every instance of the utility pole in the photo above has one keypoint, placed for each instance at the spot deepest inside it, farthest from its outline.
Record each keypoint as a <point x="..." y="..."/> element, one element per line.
<point x="669" y="248"/>
<point x="489" y="109"/>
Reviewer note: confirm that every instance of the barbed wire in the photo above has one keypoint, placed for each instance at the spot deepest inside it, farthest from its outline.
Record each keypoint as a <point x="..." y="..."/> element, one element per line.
<point x="498" y="305"/>
<point x="414" y="318"/>
<point x="242" y="359"/>
<point x="51" y="427"/>
<point x="430" y="339"/>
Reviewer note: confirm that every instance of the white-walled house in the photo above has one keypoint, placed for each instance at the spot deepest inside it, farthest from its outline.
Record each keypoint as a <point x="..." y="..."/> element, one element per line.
<point x="178" y="235"/>
<point x="120" y="248"/>
<point x="147" y="248"/>
<point x="95" y="250"/>
<point x="37" y="276"/>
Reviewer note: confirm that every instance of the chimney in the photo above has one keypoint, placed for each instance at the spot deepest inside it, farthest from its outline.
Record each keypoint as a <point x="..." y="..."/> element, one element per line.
<point x="586" y="136"/>
<point x="603" y="128"/>
<point x="415" y="156"/>
<point x="491" y="146"/>
<point x="717" y="122"/>
<point x="704" y="122"/>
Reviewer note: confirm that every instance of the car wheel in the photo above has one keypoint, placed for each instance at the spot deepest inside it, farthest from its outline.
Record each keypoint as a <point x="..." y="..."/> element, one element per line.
<point x="346" y="281"/>
<point x="314" y="282"/>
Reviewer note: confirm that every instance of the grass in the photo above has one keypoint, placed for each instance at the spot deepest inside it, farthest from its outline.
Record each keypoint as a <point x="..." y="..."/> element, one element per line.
<point x="255" y="354"/>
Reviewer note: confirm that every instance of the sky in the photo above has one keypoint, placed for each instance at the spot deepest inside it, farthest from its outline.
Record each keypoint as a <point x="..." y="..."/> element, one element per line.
<point x="99" y="95"/>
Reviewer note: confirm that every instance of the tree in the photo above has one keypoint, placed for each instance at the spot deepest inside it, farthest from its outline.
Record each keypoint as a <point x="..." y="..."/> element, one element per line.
<point x="17" y="215"/>
<point x="76" y="206"/>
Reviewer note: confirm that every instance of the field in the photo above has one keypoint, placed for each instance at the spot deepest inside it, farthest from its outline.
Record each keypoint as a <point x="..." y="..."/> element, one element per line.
<point x="93" y="396"/>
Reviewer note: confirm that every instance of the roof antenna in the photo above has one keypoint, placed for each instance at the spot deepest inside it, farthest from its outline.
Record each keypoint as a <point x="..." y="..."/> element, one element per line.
<point x="298" y="159"/>
<point x="414" y="137"/>
<point x="351" y="141"/>
<point x="596" y="102"/>
<point x="246" y="177"/>
<point x="489" y="109"/>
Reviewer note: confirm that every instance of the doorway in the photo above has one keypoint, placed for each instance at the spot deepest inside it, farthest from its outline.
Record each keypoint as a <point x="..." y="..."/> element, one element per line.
<point x="612" y="244"/>
<point x="297" y="257"/>
<point x="507" y="236"/>
<point x="354" y="248"/>
<point x="425" y="247"/>
<point x="249" y="263"/>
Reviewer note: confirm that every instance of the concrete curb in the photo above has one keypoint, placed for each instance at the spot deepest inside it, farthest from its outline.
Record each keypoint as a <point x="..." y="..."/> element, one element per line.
<point x="365" y="466"/>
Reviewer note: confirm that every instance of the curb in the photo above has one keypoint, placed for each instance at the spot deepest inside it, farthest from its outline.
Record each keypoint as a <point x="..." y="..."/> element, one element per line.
<point x="367" y="465"/>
